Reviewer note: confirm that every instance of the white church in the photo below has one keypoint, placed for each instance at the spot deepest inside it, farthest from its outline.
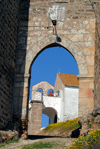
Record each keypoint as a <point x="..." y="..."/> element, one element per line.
<point x="61" y="103"/>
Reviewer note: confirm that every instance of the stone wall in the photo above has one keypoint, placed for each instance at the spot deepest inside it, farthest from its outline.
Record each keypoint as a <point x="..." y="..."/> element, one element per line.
<point x="97" y="58"/>
<point x="77" y="34"/>
<point x="35" y="113"/>
<point x="8" y="40"/>
<point x="21" y="79"/>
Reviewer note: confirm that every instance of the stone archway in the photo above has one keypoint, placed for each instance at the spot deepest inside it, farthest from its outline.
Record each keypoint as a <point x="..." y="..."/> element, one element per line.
<point x="51" y="113"/>
<point x="86" y="78"/>
<point x="77" y="33"/>
<point x="49" y="41"/>
<point x="83" y="61"/>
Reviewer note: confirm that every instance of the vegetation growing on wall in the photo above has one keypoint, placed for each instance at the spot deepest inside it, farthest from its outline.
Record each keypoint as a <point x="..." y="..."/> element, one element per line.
<point x="91" y="141"/>
<point x="64" y="126"/>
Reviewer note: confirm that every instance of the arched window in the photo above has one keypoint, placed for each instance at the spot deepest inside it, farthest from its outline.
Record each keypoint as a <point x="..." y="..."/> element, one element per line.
<point x="40" y="90"/>
<point x="50" y="92"/>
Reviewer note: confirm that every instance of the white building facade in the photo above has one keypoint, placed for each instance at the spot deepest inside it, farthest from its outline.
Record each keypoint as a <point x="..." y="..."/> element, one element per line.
<point x="62" y="105"/>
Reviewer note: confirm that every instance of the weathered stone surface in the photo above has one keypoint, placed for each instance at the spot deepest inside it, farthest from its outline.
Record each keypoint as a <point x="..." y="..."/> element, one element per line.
<point x="0" y="138"/>
<point x="83" y="85"/>
<point x="97" y="119"/>
<point x="89" y="121"/>
<point x="56" y="12"/>
<point x="8" y="135"/>
<point x="77" y="34"/>
<point x="24" y="136"/>
<point x="35" y="113"/>
<point x="8" y="42"/>
<point x="97" y="58"/>
<point x="96" y="112"/>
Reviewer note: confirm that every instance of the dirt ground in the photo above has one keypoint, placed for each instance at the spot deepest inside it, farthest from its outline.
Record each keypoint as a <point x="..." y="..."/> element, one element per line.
<point x="63" y="142"/>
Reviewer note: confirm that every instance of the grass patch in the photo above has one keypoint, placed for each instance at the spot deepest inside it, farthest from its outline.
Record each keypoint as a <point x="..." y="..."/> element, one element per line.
<point x="38" y="145"/>
<point x="64" y="126"/>
<point x="12" y="141"/>
<point x="90" y="125"/>
<point x="93" y="119"/>
<point x="91" y="141"/>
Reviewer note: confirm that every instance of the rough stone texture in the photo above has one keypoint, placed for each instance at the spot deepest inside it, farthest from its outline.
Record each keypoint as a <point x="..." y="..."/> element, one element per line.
<point x="97" y="58"/>
<point x="20" y="104"/>
<point x="8" y="135"/>
<point x="34" y="124"/>
<point x="24" y="136"/>
<point x="77" y="34"/>
<point x="0" y="138"/>
<point x="86" y="95"/>
<point x="90" y="121"/>
<point x="8" y="42"/>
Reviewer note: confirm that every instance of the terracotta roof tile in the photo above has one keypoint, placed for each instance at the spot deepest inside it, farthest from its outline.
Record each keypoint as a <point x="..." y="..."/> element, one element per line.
<point x="69" y="79"/>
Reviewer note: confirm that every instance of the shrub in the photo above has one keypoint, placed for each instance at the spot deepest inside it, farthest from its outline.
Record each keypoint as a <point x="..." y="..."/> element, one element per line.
<point x="91" y="141"/>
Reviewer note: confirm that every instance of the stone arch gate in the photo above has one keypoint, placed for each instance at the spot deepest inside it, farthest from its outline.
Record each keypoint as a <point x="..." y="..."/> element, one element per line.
<point x="77" y="35"/>
<point x="85" y="79"/>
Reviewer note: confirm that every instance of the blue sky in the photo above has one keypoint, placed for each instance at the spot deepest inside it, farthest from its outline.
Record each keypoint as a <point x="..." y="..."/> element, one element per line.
<point x="47" y="65"/>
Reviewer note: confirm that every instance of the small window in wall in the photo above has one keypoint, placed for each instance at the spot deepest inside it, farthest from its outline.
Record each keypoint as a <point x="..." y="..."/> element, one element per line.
<point x="50" y="92"/>
<point x="44" y="120"/>
<point x="40" y="90"/>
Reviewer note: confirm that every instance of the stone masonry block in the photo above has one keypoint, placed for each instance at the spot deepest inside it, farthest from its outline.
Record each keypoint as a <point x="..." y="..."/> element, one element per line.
<point x="85" y="93"/>
<point x="90" y="60"/>
<point x="91" y="70"/>
<point x="83" y="85"/>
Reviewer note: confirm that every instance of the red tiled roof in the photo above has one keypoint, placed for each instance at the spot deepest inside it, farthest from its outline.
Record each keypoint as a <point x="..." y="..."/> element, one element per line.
<point x="69" y="79"/>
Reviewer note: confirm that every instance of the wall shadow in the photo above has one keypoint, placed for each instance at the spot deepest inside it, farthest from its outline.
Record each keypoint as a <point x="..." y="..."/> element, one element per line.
<point x="19" y="97"/>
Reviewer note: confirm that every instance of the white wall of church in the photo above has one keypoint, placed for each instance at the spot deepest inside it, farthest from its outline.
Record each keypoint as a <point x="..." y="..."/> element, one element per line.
<point x="65" y="105"/>
<point x="53" y="102"/>
<point x="70" y="103"/>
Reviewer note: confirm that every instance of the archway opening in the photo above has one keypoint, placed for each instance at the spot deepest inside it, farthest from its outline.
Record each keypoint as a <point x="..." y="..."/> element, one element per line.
<point x="50" y="92"/>
<point x="44" y="120"/>
<point x="40" y="90"/>
<point x="49" y="62"/>
<point x="45" y="67"/>
<point x="51" y="114"/>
